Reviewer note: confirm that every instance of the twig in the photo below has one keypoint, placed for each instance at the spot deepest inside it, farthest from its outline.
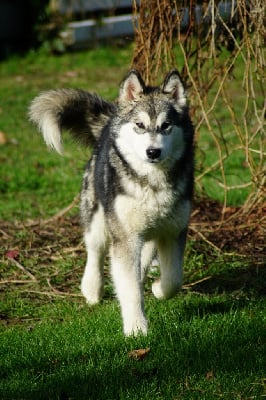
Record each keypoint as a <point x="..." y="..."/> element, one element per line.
<point x="205" y="239"/>
<point x="64" y="211"/>
<point x="32" y="277"/>
<point x="4" y="233"/>
<point x="54" y="290"/>
<point x="189" y="285"/>
<point x="16" y="281"/>
<point x="59" y="215"/>
<point x="53" y="294"/>
<point x="80" y="247"/>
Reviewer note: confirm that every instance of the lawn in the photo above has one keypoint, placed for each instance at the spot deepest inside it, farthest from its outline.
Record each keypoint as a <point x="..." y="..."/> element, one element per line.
<point x="207" y="343"/>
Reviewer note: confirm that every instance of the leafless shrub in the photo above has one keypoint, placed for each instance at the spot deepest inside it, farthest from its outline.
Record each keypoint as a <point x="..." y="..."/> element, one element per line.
<point x="219" y="49"/>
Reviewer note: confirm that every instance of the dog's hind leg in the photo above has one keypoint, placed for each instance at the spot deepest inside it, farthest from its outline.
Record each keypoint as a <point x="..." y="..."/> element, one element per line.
<point x="92" y="284"/>
<point x="126" y="271"/>
<point x="171" y="254"/>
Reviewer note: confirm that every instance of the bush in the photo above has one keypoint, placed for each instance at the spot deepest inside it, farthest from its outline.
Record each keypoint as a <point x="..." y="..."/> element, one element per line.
<point x="218" y="48"/>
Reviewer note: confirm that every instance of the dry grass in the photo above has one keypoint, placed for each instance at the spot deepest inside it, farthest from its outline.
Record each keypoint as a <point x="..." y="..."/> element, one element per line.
<point x="45" y="258"/>
<point x="220" y="59"/>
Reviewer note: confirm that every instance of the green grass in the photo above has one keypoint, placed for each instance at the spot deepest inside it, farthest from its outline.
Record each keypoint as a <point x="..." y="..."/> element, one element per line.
<point x="28" y="171"/>
<point x="200" y="347"/>
<point x="207" y="343"/>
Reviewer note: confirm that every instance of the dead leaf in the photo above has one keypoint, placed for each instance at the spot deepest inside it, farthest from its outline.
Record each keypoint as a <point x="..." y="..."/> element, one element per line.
<point x="3" y="138"/>
<point x="210" y="375"/>
<point x="12" y="254"/>
<point x="139" y="354"/>
<point x="19" y="78"/>
<point x="71" y="74"/>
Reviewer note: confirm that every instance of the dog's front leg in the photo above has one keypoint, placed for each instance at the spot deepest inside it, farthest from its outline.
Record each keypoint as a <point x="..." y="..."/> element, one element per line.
<point x="171" y="254"/>
<point x="126" y="271"/>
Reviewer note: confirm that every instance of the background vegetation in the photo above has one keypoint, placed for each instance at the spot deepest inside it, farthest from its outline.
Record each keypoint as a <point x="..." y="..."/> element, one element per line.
<point x="219" y="49"/>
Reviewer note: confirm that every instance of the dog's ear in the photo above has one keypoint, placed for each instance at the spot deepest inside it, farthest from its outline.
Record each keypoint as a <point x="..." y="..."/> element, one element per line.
<point x="174" y="88"/>
<point x="131" y="87"/>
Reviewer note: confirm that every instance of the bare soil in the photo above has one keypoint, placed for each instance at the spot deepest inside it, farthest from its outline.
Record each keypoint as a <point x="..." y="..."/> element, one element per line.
<point x="30" y="249"/>
<point x="233" y="231"/>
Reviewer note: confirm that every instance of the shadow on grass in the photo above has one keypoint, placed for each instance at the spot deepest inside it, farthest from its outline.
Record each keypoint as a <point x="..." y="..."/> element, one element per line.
<point x="190" y="337"/>
<point x="247" y="280"/>
<point x="166" y="371"/>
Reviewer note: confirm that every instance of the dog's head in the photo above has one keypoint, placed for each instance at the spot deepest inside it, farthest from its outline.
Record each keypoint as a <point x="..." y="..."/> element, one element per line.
<point x="150" y="120"/>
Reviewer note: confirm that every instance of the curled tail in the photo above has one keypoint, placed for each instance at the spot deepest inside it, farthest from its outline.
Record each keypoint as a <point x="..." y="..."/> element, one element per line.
<point x="82" y="113"/>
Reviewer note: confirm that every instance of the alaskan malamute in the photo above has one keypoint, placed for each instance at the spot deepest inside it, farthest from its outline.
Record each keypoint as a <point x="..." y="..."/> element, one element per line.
<point x="137" y="188"/>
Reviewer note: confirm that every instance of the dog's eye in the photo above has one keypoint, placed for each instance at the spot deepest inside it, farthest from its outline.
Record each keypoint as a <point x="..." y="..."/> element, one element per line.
<point x="140" y="125"/>
<point x="165" y="125"/>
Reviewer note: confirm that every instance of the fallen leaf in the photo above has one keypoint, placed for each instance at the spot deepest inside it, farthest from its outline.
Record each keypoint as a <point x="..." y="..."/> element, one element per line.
<point x="12" y="254"/>
<point x="71" y="74"/>
<point x="210" y="375"/>
<point x="3" y="138"/>
<point x="139" y="354"/>
<point x="19" y="78"/>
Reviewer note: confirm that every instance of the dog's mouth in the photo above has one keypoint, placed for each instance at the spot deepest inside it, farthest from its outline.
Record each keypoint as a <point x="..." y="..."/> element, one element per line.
<point x="155" y="161"/>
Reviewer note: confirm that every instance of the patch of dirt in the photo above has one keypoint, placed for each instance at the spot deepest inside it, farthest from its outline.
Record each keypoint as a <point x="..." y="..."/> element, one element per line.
<point x="232" y="231"/>
<point x="34" y="253"/>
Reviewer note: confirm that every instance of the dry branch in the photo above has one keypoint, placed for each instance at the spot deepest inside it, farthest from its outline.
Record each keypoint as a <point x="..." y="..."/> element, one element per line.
<point x="203" y="44"/>
<point x="23" y="269"/>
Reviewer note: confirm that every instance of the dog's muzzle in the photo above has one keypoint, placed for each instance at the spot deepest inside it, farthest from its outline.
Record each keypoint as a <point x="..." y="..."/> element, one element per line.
<point x="153" y="154"/>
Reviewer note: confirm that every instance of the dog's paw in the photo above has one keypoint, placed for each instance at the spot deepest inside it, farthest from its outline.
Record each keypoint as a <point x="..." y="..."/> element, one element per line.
<point x="157" y="290"/>
<point x="136" y="327"/>
<point x="92" y="287"/>
<point x="165" y="291"/>
<point x="92" y="296"/>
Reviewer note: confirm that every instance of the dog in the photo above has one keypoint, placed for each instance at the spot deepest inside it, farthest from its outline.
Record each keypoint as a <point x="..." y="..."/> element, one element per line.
<point x="137" y="188"/>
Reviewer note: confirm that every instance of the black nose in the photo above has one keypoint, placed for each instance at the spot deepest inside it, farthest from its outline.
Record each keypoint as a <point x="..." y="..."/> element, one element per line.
<point x="153" y="153"/>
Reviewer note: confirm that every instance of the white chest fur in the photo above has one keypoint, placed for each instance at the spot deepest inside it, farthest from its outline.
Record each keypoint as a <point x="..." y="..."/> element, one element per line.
<point x="152" y="209"/>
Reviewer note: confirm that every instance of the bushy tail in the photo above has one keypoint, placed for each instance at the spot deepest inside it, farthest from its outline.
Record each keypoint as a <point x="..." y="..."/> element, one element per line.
<point x="82" y="113"/>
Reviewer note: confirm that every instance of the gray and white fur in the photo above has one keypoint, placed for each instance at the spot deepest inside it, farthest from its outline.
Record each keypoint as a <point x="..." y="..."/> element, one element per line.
<point x="137" y="188"/>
